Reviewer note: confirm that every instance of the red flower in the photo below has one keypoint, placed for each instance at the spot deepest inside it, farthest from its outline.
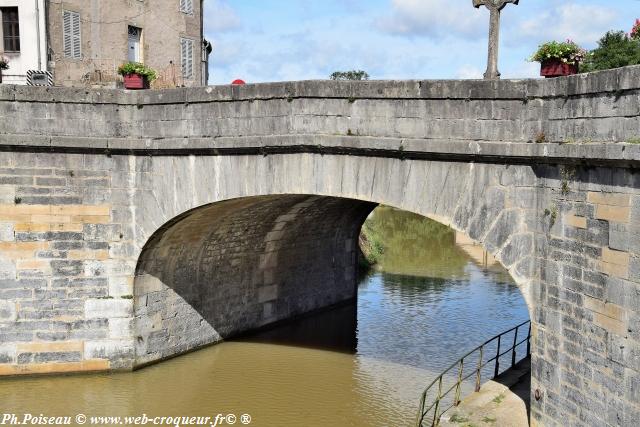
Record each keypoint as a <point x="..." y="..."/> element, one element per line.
<point x="635" y="31"/>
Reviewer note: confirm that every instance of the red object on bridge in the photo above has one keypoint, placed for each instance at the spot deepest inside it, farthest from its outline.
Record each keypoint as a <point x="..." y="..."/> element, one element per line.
<point x="557" y="68"/>
<point x="135" y="82"/>
<point x="238" y="82"/>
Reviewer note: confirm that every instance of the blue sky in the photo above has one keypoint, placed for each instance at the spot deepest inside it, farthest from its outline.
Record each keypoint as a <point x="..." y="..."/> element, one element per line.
<point x="278" y="40"/>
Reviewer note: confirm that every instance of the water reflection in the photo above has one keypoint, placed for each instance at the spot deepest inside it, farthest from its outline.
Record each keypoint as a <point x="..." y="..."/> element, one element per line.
<point x="332" y="330"/>
<point x="363" y="364"/>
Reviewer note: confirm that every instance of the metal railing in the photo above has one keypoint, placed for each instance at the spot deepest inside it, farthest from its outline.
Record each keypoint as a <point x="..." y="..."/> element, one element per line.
<point x="430" y="416"/>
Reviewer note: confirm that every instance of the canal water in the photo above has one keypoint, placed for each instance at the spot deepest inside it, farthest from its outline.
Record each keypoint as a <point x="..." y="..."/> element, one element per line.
<point x="432" y="298"/>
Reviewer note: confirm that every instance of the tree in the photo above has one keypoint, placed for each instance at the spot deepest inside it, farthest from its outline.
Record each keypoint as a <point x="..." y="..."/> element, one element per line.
<point x="615" y="49"/>
<point x="350" y="75"/>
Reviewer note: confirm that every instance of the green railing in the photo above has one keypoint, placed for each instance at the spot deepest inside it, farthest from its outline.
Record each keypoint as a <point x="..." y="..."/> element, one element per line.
<point x="442" y="402"/>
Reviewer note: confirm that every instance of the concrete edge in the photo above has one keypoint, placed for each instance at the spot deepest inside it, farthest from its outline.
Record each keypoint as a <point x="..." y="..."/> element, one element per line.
<point x="611" y="154"/>
<point x="609" y="81"/>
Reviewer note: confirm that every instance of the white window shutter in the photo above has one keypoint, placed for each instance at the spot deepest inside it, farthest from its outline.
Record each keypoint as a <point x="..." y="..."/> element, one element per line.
<point x="66" y="34"/>
<point x="71" y="35"/>
<point x="77" y="41"/>
<point x="186" y="52"/>
<point x="186" y="6"/>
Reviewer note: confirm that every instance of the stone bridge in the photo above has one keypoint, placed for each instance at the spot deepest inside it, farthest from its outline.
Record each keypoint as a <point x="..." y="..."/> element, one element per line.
<point x="136" y="226"/>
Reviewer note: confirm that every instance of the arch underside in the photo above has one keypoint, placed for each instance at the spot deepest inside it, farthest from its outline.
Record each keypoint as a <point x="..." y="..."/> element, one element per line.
<point x="240" y="264"/>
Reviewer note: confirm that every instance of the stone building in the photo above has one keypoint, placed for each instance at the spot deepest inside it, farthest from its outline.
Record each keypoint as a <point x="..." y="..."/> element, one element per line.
<point x="22" y="38"/>
<point x="86" y="40"/>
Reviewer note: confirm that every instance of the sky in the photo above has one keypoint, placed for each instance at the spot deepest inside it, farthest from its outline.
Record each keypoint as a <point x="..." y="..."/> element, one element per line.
<point x="284" y="40"/>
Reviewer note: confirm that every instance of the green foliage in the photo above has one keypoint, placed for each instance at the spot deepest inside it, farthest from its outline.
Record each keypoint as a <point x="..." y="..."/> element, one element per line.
<point x="498" y="399"/>
<point x="350" y="75"/>
<point x="130" y="68"/>
<point x="4" y="63"/>
<point x="371" y="243"/>
<point x="406" y="243"/>
<point x="615" y="49"/>
<point x="541" y="138"/>
<point x="568" y="52"/>
<point x="633" y="140"/>
<point x="552" y="214"/>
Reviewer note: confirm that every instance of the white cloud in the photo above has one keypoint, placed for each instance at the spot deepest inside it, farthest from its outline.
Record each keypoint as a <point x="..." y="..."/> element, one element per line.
<point x="469" y="72"/>
<point x="220" y="17"/>
<point x="521" y="70"/>
<point x="434" y="18"/>
<point x="584" y="24"/>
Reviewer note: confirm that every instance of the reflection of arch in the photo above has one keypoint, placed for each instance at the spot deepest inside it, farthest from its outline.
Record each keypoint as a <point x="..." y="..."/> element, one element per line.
<point x="235" y="254"/>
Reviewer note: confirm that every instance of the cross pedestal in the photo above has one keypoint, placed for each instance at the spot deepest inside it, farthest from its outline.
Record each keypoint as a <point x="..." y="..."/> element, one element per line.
<point x="495" y="7"/>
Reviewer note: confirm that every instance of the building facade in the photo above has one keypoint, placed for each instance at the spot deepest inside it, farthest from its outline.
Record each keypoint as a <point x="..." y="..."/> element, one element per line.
<point x="84" y="41"/>
<point x="22" y="38"/>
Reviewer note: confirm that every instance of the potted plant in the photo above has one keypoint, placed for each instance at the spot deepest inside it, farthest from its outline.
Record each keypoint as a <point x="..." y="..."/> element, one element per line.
<point x="137" y="75"/>
<point x="559" y="58"/>
<point x="4" y="65"/>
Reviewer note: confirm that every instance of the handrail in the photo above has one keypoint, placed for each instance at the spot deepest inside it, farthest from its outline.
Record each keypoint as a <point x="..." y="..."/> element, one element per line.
<point x="436" y="406"/>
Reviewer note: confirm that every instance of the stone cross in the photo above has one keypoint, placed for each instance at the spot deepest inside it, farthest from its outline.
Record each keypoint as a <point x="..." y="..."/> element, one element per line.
<point x="495" y="7"/>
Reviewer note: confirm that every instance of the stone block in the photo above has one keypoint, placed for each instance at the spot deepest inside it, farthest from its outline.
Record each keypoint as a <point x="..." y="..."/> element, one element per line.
<point x="611" y="199"/>
<point x="50" y="347"/>
<point x="619" y="237"/>
<point x="121" y="328"/>
<point x="121" y="286"/>
<point x="146" y="284"/>
<point x="108" y="349"/>
<point x="634" y="270"/>
<point x="615" y="257"/>
<point x="6" y="232"/>
<point x="108" y="308"/>
<point x="615" y="270"/>
<point x="8" y="311"/>
<point x="575" y="221"/>
<point x="613" y="213"/>
<point x="518" y="247"/>
<point x="267" y="293"/>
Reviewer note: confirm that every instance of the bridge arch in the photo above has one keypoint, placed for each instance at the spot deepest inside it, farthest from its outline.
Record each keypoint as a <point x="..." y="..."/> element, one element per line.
<point x="237" y="254"/>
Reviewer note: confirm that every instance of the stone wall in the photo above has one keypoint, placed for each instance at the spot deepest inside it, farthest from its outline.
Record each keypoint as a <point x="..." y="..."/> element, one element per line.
<point x="104" y="40"/>
<point x="599" y="107"/>
<point x="107" y="197"/>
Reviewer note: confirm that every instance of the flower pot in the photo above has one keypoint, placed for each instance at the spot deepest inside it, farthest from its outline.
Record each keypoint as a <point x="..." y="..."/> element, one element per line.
<point x="557" y="68"/>
<point x="136" y="82"/>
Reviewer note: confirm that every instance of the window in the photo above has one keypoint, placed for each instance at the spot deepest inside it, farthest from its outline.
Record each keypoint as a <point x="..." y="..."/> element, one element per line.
<point x="10" y="29"/>
<point x="71" y="34"/>
<point x="186" y="6"/>
<point x="186" y="54"/>
<point x="135" y="34"/>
